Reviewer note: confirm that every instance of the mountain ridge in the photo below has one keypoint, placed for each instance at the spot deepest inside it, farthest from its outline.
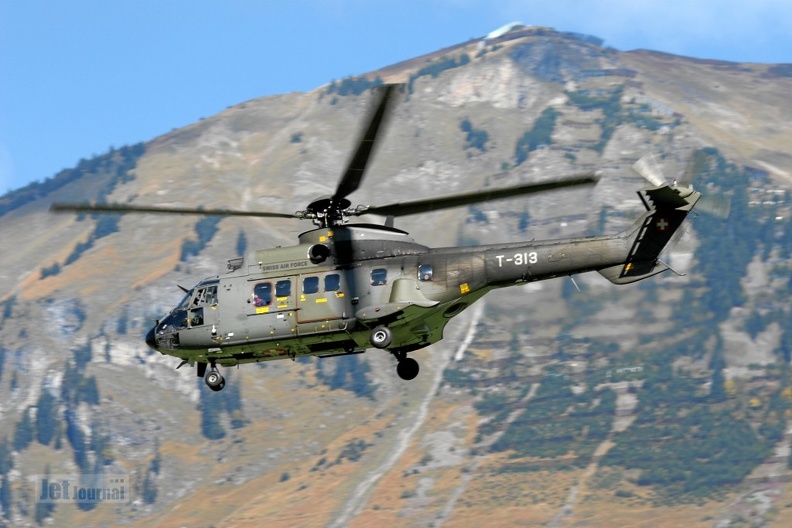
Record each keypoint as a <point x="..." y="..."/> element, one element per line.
<point x="298" y="445"/>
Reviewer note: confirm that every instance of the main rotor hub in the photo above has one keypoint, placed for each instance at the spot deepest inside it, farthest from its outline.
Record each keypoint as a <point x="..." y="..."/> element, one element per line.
<point x="328" y="211"/>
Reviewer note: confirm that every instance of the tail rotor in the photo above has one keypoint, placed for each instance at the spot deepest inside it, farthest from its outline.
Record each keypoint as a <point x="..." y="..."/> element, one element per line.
<point x="648" y="168"/>
<point x="715" y="205"/>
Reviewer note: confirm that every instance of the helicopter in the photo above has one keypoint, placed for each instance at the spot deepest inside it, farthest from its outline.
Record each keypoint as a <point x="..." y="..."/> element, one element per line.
<point x="346" y="287"/>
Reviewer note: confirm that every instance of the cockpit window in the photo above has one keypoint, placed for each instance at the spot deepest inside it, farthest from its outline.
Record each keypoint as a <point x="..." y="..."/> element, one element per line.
<point x="211" y="295"/>
<point x="262" y="294"/>
<point x="197" y="317"/>
<point x="205" y="296"/>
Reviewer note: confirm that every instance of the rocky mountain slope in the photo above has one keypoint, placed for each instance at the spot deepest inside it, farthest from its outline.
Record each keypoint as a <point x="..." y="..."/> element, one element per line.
<point x="663" y="402"/>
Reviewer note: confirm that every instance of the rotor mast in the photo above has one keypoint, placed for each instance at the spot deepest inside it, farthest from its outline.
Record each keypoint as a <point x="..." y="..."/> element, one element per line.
<point x="327" y="212"/>
<point x="332" y="211"/>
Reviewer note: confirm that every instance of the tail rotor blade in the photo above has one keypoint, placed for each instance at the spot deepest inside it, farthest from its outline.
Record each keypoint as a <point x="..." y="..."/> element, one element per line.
<point x="648" y="168"/>
<point x="690" y="171"/>
<point x="718" y="206"/>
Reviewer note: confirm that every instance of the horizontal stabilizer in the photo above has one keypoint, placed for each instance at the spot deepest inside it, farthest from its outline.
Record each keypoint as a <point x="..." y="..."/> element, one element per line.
<point x="666" y="197"/>
<point x="633" y="271"/>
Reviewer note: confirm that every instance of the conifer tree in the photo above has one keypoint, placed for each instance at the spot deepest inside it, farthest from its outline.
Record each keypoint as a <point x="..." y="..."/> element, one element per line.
<point x="5" y="496"/>
<point x="23" y="435"/>
<point x="6" y="464"/>
<point x="210" y="406"/>
<point x="46" y="418"/>
<point x="43" y="509"/>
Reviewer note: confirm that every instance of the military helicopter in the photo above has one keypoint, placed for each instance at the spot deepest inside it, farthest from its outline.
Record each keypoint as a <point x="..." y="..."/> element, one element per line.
<point x="346" y="287"/>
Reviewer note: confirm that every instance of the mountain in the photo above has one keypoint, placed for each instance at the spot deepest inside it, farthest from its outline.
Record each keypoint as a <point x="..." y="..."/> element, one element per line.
<point x="664" y="402"/>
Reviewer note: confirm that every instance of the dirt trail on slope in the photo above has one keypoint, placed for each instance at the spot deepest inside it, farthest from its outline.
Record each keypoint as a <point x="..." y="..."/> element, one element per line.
<point x="360" y="495"/>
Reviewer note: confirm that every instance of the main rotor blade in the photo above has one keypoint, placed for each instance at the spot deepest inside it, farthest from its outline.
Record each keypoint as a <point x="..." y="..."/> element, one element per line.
<point x="446" y="202"/>
<point x="356" y="168"/>
<point x="126" y="208"/>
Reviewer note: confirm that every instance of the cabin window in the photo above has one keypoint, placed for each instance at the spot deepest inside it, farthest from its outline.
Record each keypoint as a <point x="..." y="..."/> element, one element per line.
<point x="379" y="277"/>
<point x="332" y="282"/>
<point x="262" y="294"/>
<point x="283" y="288"/>
<point x="310" y="285"/>
<point x="425" y="272"/>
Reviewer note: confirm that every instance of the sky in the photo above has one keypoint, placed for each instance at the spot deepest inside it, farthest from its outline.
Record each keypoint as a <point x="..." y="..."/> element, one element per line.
<point x="79" y="77"/>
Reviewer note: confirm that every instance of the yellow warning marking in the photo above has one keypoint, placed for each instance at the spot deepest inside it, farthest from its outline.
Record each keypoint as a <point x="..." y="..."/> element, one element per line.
<point x="628" y="267"/>
<point x="464" y="288"/>
<point x="322" y="238"/>
<point x="321" y="300"/>
<point x="339" y="294"/>
<point x="262" y="310"/>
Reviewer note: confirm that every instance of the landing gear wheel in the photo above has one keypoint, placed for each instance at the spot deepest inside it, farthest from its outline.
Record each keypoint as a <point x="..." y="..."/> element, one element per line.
<point x="214" y="380"/>
<point x="381" y="337"/>
<point x="407" y="368"/>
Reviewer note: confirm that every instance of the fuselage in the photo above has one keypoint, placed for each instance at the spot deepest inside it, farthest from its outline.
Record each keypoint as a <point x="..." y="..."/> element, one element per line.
<point x="324" y="295"/>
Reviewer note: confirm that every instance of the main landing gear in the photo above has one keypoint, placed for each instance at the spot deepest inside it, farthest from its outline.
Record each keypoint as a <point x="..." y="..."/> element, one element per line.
<point x="213" y="379"/>
<point x="407" y="368"/>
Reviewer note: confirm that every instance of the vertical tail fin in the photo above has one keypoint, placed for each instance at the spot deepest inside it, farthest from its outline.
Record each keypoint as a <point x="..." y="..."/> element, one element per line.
<point x="667" y="207"/>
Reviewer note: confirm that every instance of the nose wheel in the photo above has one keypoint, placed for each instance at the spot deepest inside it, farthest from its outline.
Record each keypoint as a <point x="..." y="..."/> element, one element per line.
<point x="214" y="380"/>
<point x="381" y="337"/>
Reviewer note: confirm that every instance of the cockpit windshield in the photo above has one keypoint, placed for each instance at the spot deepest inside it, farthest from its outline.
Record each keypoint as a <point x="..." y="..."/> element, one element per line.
<point x="185" y="302"/>
<point x="189" y="312"/>
<point x="175" y="320"/>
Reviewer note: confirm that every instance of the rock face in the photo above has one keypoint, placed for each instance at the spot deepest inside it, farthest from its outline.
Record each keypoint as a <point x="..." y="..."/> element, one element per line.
<point x="527" y="412"/>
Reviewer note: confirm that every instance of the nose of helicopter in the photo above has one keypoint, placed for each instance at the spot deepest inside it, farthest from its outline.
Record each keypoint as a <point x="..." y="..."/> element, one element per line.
<point x="151" y="341"/>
